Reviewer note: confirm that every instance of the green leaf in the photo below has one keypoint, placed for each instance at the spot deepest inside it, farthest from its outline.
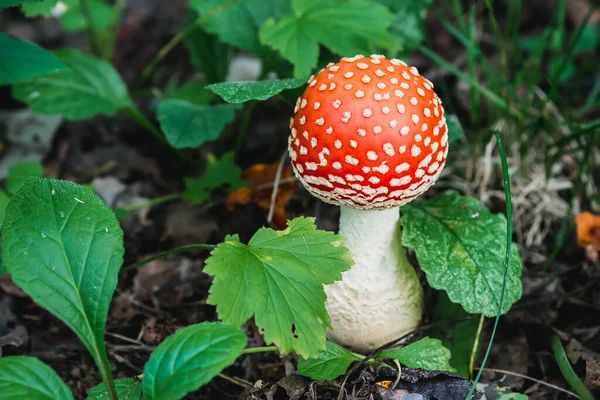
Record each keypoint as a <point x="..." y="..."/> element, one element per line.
<point x="461" y="247"/>
<point x="328" y="364"/>
<point x="338" y="25"/>
<point x="191" y="357"/>
<point x="194" y="92"/>
<point x="239" y="92"/>
<point x="426" y="353"/>
<point x="407" y="27"/>
<point x="4" y="198"/>
<point x="20" y="61"/>
<point x="588" y="40"/>
<point x="63" y="246"/>
<point x="127" y="389"/>
<point x="103" y="16"/>
<point x="29" y="378"/>
<point x="188" y="125"/>
<point x="92" y="86"/>
<point x="220" y="173"/>
<point x="39" y="8"/>
<point x="19" y="173"/>
<point x="12" y="3"/>
<point x="455" y="129"/>
<point x="278" y="277"/>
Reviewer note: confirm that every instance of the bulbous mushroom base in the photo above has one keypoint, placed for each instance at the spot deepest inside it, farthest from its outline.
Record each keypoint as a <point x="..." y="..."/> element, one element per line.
<point x="380" y="298"/>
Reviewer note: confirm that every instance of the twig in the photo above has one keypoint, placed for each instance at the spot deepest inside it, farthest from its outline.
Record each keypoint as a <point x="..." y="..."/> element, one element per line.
<point x="276" y="186"/>
<point x="475" y="346"/>
<point x="502" y="371"/>
<point x="236" y="381"/>
<point x="176" y="250"/>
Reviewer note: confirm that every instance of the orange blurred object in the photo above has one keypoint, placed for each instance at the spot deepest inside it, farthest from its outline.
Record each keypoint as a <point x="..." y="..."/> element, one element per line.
<point x="262" y="177"/>
<point x="588" y="233"/>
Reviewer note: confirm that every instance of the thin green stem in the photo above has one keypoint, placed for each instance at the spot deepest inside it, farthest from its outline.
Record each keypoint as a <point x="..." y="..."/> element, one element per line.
<point x="567" y="370"/>
<point x="166" y="49"/>
<point x="508" y="200"/>
<point x="91" y="29"/>
<point x="263" y="349"/>
<point x="151" y="202"/>
<point x="145" y="123"/>
<point x="476" y="345"/>
<point x="113" y="31"/>
<point x="493" y="97"/>
<point x="167" y="253"/>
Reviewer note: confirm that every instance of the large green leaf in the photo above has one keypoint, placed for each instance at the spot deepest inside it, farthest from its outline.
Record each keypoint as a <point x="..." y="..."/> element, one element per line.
<point x="222" y="173"/>
<point x="63" y="246"/>
<point x="188" y="125"/>
<point x="344" y="27"/>
<point x="29" y="378"/>
<point x="328" y="364"/>
<point x="189" y="358"/>
<point x="239" y="92"/>
<point x="127" y="389"/>
<point x="102" y="15"/>
<point x="426" y="353"/>
<point x="20" y="61"/>
<point x="278" y="277"/>
<point x="19" y="173"/>
<point x="91" y="86"/>
<point x="461" y="247"/>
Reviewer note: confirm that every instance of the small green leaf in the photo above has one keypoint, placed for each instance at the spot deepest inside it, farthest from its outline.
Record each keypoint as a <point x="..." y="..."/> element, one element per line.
<point x="220" y="173"/>
<point x="239" y="92"/>
<point x="461" y="247"/>
<point x="19" y="173"/>
<point x="29" y="378"/>
<point x="91" y="86"/>
<point x="407" y="27"/>
<point x="278" y="277"/>
<point x="426" y="353"/>
<point x="328" y="364"/>
<point x="20" y="61"/>
<point x="194" y="92"/>
<point x="191" y="357"/>
<point x="63" y="247"/>
<point x="188" y="125"/>
<point x="127" y="389"/>
<point x="338" y="25"/>
<point x="455" y="129"/>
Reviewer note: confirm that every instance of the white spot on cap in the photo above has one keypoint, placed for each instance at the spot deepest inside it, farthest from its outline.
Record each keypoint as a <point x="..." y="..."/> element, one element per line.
<point x="305" y="134"/>
<point x="336" y="165"/>
<point x="393" y="123"/>
<point x="414" y="71"/>
<point x="377" y="129"/>
<point x="371" y="155"/>
<point x="421" y="92"/>
<point x="436" y="112"/>
<point x="337" y="144"/>
<point x="367" y="112"/>
<point x="381" y="85"/>
<point x="400" y="181"/>
<point x="427" y="141"/>
<point x="303" y="103"/>
<point x="424" y="127"/>
<point x="377" y="96"/>
<point x="433" y="167"/>
<point x="302" y="120"/>
<point x="366" y="79"/>
<point x="300" y="168"/>
<point x="400" y="107"/>
<point x="313" y="142"/>
<point x="404" y="130"/>
<point x="353" y="143"/>
<point x="436" y="130"/>
<point x="402" y="167"/>
<point x="348" y="86"/>
<point x="394" y="81"/>
<point x="427" y="112"/>
<point x="366" y="170"/>
<point x="316" y="105"/>
<point x="414" y="101"/>
<point x="398" y="93"/>
<point x="320" y="121"/>
<point x="329" y="130"/>
<point x="415" y="118"/>
<point x="389" y="149"/>
<point x="322" y="87"/>
<point x="361" y="132"/>
<point x="402" y="149"/>
<point x="418" y="137"/>
<point x="362" y="65"/>
<point x="311" y="166"/>
<point x="386" y="110"/>
<point x="405" y="85"/>
<point x="332" y="86"/>
<point x="351" y="160"/>
<point x="303" y="150"/>
<point x="405" y="75"/>
<point x="334" y="68"/>
<point x="434" y="146"/>
<point x="336" y="104"/>
<point x="379" y="73"/>
<point x="382" y="169"/>
<point x="348" y="74"/>
<point x="346" y="117"/>
<point x="359" y="94"/>
<point x="415" y="150"/>
<point x="419" y="173"/>
<point x="312" y="83"/>
<point x="374" y="180"/>
<point x="390" y="68"/>
<point x="395" y="61"/>
<point x="426" y="85"/>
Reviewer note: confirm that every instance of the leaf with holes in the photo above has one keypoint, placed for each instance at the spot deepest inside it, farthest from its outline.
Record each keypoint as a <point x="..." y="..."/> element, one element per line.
<point x="127" y="389"/>
<point x="191" y="357"/>
<point x="426" y="353"/>
<point x="20" y="61"/>
<point x="29" y="378"/>
<point x="239" y="92"/>
<point x="89" y="87"/>
<point x="461" y="247"/>
<point x="63" y="246"/>
<point x="278" y="277"/>
<point x="328" y="364"/>
<point x="189" y="125"/>
<point x="338" y="25"/>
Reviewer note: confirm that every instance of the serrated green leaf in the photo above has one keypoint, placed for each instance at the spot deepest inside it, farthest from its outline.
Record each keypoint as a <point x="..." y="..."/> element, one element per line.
<point x="29" y="378"/>
<point x="461" y="247"/>
<point x="455" y="129"/>
<point x="127" y="389"/>
<point x="193" y="92"/>
<point x="189" y="358"/>
<point x="19" y="173"/>
<point x="188" y="125"/>
<point x="91" y="86"/>
<point x="278" y="277"/>
<point x="103" y="16"/>
<point x="20" y="61"/>
<point x="239" y="92"/>
<point x="220" y="173"/>
<point x="426" y="353"/>
<point x="328" y="364"/>
<point x="338" y="25"/>
<point x="63" y="247"/>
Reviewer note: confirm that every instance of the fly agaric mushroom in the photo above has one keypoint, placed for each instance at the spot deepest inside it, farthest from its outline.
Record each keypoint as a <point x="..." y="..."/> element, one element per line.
<point x="369" y="134"/>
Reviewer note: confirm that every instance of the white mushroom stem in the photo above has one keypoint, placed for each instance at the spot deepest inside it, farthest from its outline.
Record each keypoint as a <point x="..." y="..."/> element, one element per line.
<point x="380" y="297"/>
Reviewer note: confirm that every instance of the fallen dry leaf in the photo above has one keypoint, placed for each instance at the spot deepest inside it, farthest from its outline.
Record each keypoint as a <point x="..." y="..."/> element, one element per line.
<point x="262" y="177"/>
<point x="588" y="233"/>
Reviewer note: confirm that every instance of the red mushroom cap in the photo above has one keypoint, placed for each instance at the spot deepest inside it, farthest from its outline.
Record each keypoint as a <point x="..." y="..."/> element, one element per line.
<point x="368" y="133"/>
